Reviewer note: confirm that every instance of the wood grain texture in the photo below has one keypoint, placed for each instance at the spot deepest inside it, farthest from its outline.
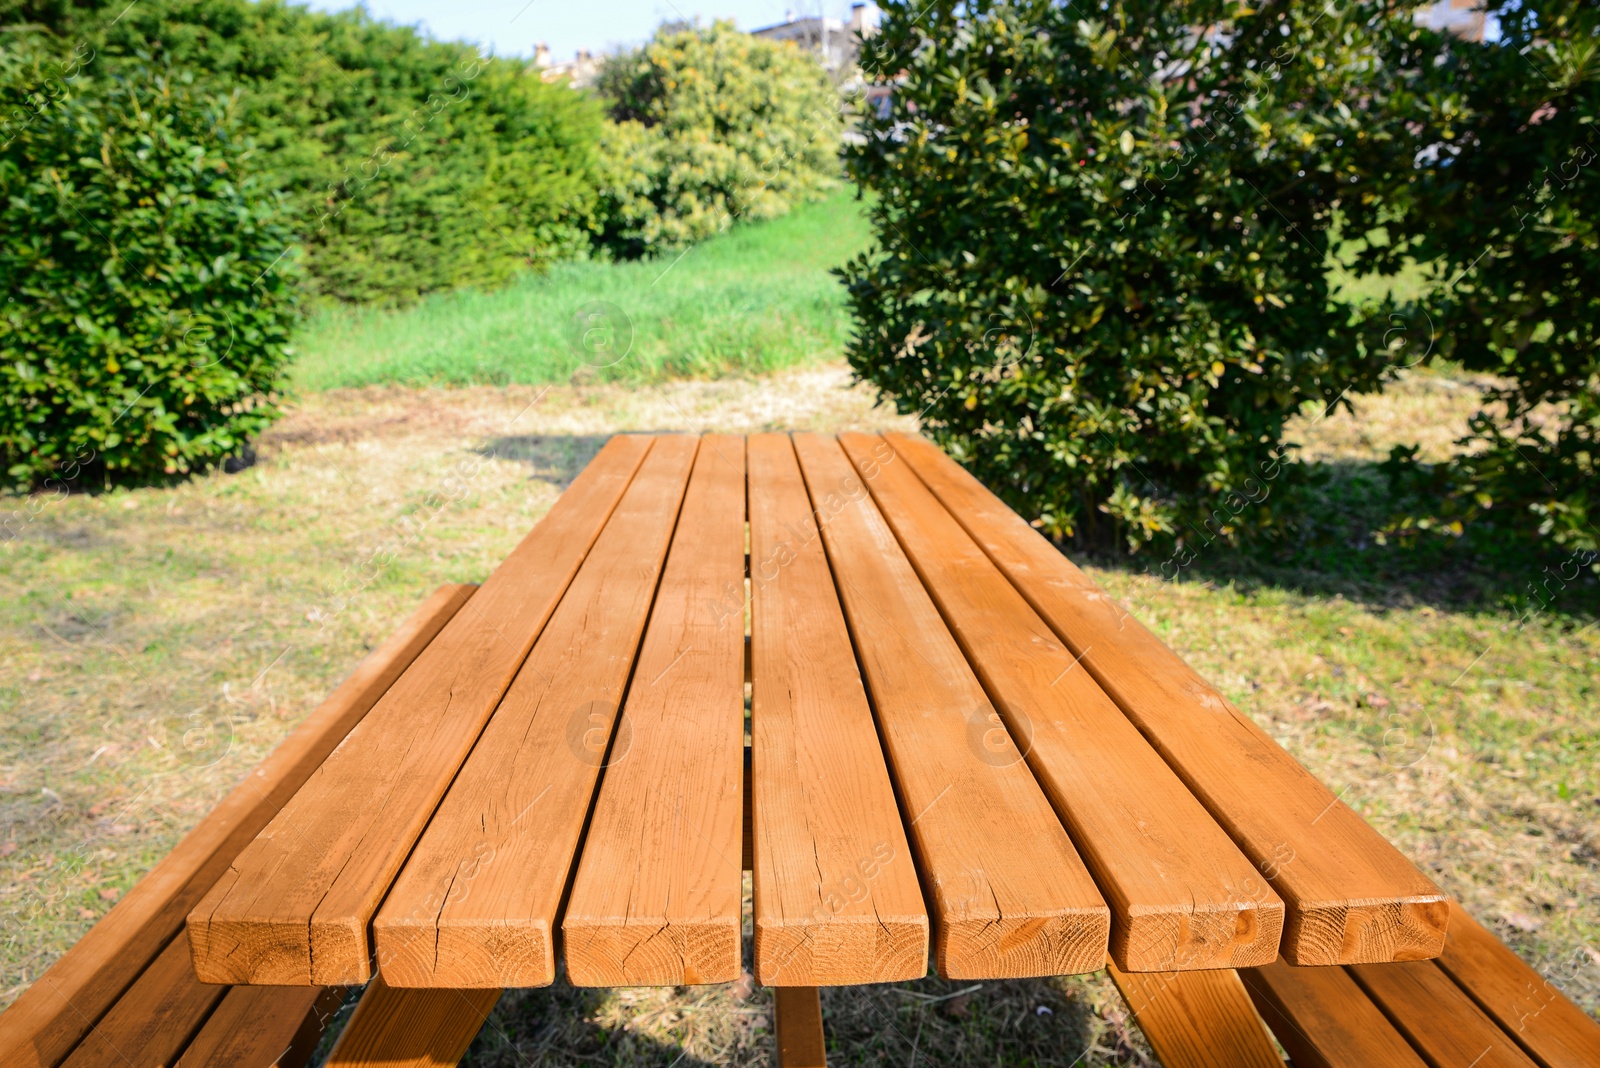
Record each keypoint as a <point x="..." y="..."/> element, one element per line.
<point x="256" y="1026"/>
<point x="1197" y="1019"/>
<point x="476" y="904"/>
<point x="1437" y="1017"/>
<point x="295" y="905"/>
<point x="836" y="894"/>
<point x="52" y="1015"/>
<point x="797" y="1015"/>
<point x="1537" y="1016"/>
<point x="1324" y="1020"/>
<point x="1182" y="896"/>
<point x="656" y="900"/>
<point x="1351" y="896"/>
<point x="1009" y="892"/>
<point x="152" y="1022"/>
<point x="411" y="1028"/>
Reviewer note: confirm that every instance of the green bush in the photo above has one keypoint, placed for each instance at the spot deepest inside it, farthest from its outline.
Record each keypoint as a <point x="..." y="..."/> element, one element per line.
<point x="143" y="331"/>
<point x="410" y="166"/>
<point x="1102" y="280"/>
<point x="713" y="126"/>
<point x="1504" y="217"/>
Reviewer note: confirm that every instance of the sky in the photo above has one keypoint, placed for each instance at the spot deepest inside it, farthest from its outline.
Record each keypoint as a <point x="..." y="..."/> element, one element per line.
<point x="511" y="27"/>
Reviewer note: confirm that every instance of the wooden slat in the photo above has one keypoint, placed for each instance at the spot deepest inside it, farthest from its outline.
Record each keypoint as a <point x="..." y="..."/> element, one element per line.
<point x="797" y="1014"/>
<point x="1324" y="1020"/>
<point x="1182" y="896"/>
<point x="294" y="907"/>
<point x="836" y="894"/>
<point x="1197" y="1019"/>
<point x="1444" y="1025"/>
<point x="1351" y="896"/>
<point x="1548" y="1027"/>
<point x="476" y="905"/>
<point x="52" y="1015"/>
<point x="1008" y="905"/>
<point x="411" y="1028"/>
<point x="656" y="900"/>
<point x="154" y="1019"/>
<point x="257" y="1026"/>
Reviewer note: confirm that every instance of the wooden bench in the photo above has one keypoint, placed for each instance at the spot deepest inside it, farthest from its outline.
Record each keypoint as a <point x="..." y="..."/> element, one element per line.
<point x="558" y="772"/>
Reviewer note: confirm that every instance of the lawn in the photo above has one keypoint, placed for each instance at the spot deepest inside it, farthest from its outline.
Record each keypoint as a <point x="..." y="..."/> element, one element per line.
<point x="156" y="643"/>
<point x="754" y="299"/>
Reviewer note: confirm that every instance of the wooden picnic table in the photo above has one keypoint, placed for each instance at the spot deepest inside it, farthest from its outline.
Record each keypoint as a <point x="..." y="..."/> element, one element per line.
<point x="843" y="665"/>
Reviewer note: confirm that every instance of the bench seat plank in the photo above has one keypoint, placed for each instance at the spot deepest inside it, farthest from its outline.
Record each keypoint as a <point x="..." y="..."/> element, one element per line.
<point x="1324" y="1020"/>
<point x="48" y="1020"/>
<point x="476" y="904"/>
<point x="1351" y="896"/>
<point x="1182" y="895"/>
<point x="294" y="907"/>
<point x="1548" y="1027"/>
<point x="394" y="1028"/>
<point x="836" y="893"/>
<point x="656" y="899"/>
<point x="1007" y="905"/>
<point x="1197" y="1019"/>
<point x="256" y="1026"/>
<point x="1444" y="1025"/>
<point x="154" y="1020"/>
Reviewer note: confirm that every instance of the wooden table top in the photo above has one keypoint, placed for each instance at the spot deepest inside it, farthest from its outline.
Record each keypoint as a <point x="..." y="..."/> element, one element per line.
<point x="941" y="729"/>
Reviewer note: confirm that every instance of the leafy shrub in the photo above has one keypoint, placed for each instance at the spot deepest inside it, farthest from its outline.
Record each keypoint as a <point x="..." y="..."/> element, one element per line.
<point x="713" y="126"/>
<point x="1102" y="280"/>
<point x="1504" y="215"/>
<point x="410" y="166"/>
<point x="143" y="332"/>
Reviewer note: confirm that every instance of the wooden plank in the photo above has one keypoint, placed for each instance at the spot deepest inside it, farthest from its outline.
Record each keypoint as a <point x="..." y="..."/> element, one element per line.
<point x="1007" y="905"/>
<point x="1182" y="896"/>
<point x="797" y="1014"/>
<point x="836" y="894"/>
<point x="476" y="905"/>
<point x="657" y="897"/>
<point x="294" y="907"/>
<point x="394" y="1028"/>
<point x="1197" y="1019"/>
<point x="154" y="1019"/>
<point x="42" y="1026"/>
<point x="264" y="1025"/>
<point x="1437" y="1017"/>
<point x="1324" y="1020"/>
<point x="1351" y="896"/>
<point x="1538" y="1017"/>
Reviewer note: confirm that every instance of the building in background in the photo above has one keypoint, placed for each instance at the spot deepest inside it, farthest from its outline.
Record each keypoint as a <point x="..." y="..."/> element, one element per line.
<point x="1464" y="18"/>
<point x="580" y="72"/>
<point x="833" y="41"/>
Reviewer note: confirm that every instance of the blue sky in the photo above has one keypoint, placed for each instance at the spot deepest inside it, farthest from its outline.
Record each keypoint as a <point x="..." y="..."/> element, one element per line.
<point x="512" y="26"/>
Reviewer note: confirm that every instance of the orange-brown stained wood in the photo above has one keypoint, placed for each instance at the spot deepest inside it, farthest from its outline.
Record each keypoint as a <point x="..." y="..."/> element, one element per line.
<point x="836" y="894"/>
<point x="1324" y="1020"/>
<point x="797" y="1014"/>
<point x="294" y="907"/>
<point x="476" y="904"/>
<point x="1548" y="1027"/>
<point x="1351" y="896"/>
<point x="1010" y="894"/>
<point x="152" y="1022"/>
<point x="657" y="896"/>
<point x="1197" y="1019"/>
<point x="1437" y="1017"/>
<point x="1182" y="896"/>
<point x="51" y="1016"/>
<point x="264" y="1025"/>
<point x="411" y="1028"/>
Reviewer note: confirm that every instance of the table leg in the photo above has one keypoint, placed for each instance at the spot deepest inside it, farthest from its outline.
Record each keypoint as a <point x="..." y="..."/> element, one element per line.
<point x="425" y="1028"/>
<point x="798" y="1012"/>
<point x="1201" y="1019"/>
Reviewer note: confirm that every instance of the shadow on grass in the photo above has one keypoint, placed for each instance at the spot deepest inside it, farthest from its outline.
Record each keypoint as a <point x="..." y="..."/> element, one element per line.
<point x="1333" y="548"/>
<point x="553" y="458"/>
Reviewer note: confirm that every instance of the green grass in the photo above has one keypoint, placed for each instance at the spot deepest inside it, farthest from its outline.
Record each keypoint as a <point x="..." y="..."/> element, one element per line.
<point x="758" y="298"/>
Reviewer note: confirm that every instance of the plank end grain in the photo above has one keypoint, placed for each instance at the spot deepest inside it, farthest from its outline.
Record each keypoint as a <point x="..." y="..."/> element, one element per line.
<point x="1374" y="932"/>
<point x="836" y="951"/>
<point x="664" y="954"/>
<point x="1225" y="936"/>
<point x="465" y="954"/>
<point x="1070" y="942"/>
